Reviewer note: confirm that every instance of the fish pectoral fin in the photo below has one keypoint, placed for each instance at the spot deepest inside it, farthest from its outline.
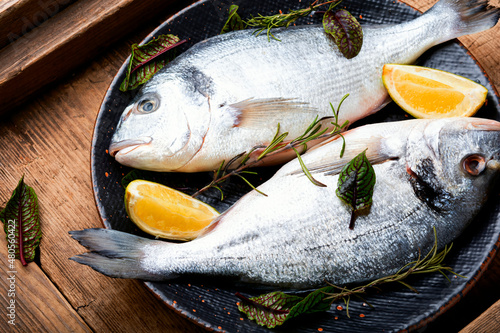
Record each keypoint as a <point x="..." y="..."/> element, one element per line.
<point x="254" y="112"/>
<point x="327" y="158"/>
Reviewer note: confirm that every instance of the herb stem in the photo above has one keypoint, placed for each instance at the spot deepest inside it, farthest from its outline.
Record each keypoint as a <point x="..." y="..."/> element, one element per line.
<point x="283" y="19"/>
<point x="431" y="263"/>
<point x="278" y="146"/>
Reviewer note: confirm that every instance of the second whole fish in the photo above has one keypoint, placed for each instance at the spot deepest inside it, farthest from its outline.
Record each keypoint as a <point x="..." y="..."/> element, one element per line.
<point x="431" y="175"/>
<point x="227" y="94"/>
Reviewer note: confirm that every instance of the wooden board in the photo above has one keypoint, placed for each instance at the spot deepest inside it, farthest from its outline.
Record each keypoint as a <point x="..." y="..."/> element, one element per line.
<point x="18" y="17"/>
<point x="65" y="41"/>
<point x="49" y="140"/>
<point x="489" y="321"/>
<point x="30" y="300"/>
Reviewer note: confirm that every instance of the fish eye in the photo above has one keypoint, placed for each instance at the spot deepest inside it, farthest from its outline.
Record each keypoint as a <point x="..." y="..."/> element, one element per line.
<point x="474" y="164"/>
<point x="148" y="104"/>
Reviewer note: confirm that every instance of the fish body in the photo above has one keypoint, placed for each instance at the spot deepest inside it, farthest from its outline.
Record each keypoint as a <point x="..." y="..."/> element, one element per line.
<point x="228" y="94"/>
<point x="431" y="175"/>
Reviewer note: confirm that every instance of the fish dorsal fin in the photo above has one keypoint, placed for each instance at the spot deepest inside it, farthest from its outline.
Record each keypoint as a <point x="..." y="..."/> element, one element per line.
<point x="325" y="159"/>
<point x="254" y="112"/>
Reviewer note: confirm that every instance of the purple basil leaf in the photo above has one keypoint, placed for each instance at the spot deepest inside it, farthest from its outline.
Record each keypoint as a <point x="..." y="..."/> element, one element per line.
<point x="268" y="310"/>
<point x="345" y="30"/>
<point x="21" y="223"/>
<point x="356" y="183"/>
<point x="234" y="22"/>
<point x="143" y="63"/>
<point x="273" y="309"/>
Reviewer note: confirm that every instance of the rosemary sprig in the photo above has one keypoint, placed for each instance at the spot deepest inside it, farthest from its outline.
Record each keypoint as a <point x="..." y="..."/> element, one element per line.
<point x="266" y="23"/>
<point x="306" y="171"/>
<point x="432" y="262"/>
<point x="275" y="142"/>
<point x="276" y="147"/>
<point x="275" y="308"/>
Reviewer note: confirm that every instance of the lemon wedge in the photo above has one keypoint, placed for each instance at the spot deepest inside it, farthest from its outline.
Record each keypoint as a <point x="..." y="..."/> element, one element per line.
<point x="431" y="93"/>
<point x="166" y="213"/>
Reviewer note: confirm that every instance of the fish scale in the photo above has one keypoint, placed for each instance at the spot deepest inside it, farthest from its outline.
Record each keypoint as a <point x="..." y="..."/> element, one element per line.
<point x="298" y="236"/>
<point x="201" y="120"/>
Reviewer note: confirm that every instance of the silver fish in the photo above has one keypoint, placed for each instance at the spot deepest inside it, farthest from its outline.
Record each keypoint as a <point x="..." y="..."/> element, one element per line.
<point x="228" y="94"/>
<point x="430" y="174"/>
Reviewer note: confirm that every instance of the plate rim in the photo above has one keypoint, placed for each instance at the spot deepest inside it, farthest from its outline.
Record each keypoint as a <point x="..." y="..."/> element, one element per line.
<point x="449" y="303"/>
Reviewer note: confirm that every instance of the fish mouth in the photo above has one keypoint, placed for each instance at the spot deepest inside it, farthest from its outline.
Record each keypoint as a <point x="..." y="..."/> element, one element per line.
<point x="126" y="146"/>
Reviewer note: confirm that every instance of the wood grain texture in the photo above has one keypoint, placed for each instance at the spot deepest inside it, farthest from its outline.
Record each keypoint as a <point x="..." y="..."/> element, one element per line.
<point x="49" y="140"/>
<point x="18" y="17"/>
<point x="52" y="138"/>
<point x="489" y="321"/>
<point x="65" y="41"/>
<point x="30" y="300"/>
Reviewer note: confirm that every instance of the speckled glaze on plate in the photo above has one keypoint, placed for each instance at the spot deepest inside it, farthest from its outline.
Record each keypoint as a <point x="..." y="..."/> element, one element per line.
<point x="212" y="303"/>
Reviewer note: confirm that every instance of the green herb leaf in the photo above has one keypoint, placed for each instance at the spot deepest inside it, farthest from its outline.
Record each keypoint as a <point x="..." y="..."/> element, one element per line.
<point x="306" y="170"/>
<point x="316" y="301"/>
<point x="275" y="308"/>
<point x="21" y="222"/>
<point x="356" y="183"/>
<point x="234" y="22"/>
<point x="345" y="30"/>
<point x="141" y="67"/>
<point x="266" y="23"/>
<point x="277" y="146"/>
<point x="250" y="184"/>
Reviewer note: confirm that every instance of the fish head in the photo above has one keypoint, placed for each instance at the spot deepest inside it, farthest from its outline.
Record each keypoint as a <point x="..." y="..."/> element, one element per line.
<point x="453" y="163"/>
<point x="163" y="127"/>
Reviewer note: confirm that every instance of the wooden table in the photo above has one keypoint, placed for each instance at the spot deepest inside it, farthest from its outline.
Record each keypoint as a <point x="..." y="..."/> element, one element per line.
<point x="49" y="140"/>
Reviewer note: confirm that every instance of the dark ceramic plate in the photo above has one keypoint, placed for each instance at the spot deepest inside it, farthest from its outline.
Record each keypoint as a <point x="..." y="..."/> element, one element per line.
<point x="212" y="304"/>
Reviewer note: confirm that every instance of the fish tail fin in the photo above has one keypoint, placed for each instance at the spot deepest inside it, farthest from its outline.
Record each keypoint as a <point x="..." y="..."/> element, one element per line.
<point x="114" y="253"/>
<point x="466" y="16"/>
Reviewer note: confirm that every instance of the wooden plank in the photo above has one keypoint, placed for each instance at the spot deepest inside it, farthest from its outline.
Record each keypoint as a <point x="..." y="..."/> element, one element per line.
<point x="66" y="41"/>
<point x="49" y="141"/>
<point x="30" y="302"/>
<point x="18" y="17"/>
<point x="489" y="321"/>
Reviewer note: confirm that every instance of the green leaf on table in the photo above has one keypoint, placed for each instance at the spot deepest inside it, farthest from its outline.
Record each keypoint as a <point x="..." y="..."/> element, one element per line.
<point x="273" y="309"/>
<point x="143" y="62"/>
<point x="234" y="21"/>
<point x="356" y="183"/>
<point x="21" y="223"/>
<point x="345" y="30"/>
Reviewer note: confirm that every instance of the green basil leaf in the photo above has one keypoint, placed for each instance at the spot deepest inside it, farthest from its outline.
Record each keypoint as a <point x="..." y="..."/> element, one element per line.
<point x="345" y="30"/>
<point x="21" y="223"/>
<point x="356" y="183"/>
<point x="314" y="302"/>
<point x="234" y="22"/>
<point x="141" y="66"/>
<point x="273" y="309"/>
